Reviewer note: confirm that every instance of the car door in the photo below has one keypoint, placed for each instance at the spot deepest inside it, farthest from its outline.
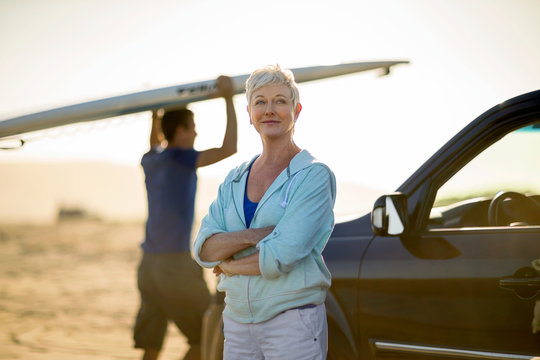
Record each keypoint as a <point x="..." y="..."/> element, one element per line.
<point x="463" y="281"/>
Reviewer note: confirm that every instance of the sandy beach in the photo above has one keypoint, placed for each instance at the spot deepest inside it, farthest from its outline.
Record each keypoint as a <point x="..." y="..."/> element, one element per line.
<point x="68" y="291"/>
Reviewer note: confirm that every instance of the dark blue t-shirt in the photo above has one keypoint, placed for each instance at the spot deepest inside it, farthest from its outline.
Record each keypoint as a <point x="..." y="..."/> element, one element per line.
<point x="171" y="184"/>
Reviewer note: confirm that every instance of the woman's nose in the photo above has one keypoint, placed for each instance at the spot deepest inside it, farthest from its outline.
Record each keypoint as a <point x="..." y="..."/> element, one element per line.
<point x="269" y="108"/>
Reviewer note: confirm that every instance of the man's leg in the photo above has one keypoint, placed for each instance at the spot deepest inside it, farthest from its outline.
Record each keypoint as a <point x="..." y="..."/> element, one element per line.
<point x="194" y="352"/>
<point x="185" y="297"/>
<point x="150" y="354"/>
<point x="151" y="323"/>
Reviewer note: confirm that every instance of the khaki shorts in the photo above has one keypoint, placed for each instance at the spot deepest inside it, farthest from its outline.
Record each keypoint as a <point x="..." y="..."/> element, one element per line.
<point x="172" y="287"/>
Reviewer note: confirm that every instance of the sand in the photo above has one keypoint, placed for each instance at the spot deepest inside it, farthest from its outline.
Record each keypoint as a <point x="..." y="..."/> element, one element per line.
<point x="68" y="291"/>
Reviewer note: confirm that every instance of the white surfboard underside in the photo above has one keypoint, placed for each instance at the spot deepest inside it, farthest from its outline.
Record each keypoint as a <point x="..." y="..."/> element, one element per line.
<point x="171" y="96"/>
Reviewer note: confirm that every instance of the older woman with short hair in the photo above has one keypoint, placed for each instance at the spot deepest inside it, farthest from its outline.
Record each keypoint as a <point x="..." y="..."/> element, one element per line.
<point x="265" y="233"/>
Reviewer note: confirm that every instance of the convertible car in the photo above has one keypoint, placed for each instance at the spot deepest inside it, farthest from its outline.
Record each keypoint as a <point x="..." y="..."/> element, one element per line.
<point x="448" y="266"/>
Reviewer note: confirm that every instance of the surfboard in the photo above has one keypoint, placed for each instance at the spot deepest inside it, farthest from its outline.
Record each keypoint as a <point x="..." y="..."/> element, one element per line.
<point x="172" y="96"/>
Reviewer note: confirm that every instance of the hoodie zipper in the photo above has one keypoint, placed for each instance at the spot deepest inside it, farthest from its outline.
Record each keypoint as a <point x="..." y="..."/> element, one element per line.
<point x="237" y="180"/>
<point x="249" y="277"/>
<point x="248" y="300"/>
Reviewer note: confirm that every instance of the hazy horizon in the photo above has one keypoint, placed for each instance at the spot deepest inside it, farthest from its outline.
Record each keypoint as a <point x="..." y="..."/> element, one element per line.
<point x="34" y="192"/>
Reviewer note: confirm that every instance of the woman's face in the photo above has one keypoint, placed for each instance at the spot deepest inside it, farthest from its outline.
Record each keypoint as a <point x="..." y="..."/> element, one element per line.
<point x="272" y="112"/>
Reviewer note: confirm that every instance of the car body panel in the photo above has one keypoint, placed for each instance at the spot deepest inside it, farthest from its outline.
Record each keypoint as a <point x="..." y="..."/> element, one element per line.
<point x="454" y="302"/>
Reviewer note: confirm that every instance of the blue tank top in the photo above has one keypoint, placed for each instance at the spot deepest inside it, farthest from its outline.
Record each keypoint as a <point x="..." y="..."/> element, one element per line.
<point x="249" y="206"/>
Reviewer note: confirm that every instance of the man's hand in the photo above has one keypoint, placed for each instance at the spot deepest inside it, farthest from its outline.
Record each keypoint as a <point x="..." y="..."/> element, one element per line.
<point x="225" y="87"/>
<point x="156" y="135"/>
<point x="157" y="114"/>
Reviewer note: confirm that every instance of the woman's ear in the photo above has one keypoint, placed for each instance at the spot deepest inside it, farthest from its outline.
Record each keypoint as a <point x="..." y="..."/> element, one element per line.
<point x="297" y="112"/>
<point x="250" y="122"/>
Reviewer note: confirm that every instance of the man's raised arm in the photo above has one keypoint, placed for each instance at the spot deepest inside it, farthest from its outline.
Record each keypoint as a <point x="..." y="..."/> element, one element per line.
<point x="228" y="148"/>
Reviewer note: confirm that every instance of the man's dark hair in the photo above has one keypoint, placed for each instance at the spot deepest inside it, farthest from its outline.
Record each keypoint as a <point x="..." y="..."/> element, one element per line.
<point x="173" y="119"/>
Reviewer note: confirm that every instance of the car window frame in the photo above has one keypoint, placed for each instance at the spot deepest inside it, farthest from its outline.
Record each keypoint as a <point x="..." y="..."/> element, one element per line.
<point x="467" y="151"/>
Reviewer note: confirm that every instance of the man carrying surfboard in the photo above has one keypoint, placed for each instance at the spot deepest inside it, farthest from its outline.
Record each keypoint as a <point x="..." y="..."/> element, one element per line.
<point x="170" y="283"/>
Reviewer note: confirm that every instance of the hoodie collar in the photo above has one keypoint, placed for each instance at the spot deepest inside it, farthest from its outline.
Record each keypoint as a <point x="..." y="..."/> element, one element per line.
<point x="300" y="161"/>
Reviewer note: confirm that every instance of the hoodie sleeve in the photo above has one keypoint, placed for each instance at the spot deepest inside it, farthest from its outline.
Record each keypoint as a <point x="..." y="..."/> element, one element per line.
<point x="305" y="226"/>
<point x="212" y="223"/>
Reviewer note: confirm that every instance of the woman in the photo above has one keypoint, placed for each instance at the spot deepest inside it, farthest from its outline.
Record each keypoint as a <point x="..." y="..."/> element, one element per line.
<point x="265" y="233"/>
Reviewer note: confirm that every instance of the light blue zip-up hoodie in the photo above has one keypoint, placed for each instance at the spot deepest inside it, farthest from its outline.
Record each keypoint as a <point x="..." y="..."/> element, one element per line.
<point x="299" y="203"/>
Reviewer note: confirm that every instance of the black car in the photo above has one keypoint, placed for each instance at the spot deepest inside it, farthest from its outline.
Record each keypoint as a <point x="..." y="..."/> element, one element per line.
<point x="448" y="266"/>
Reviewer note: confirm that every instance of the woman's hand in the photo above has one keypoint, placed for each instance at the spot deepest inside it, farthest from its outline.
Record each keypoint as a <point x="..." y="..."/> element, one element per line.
<point x="224" y="245"/>
<point x="248" y="265"/>
<point x="224" y="268"/>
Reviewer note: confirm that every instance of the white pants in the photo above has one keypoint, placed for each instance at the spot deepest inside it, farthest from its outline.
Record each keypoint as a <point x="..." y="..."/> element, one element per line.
<point x="298" y="334"/>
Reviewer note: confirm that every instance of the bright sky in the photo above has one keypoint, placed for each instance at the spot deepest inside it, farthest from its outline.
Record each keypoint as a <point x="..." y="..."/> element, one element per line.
<point x="466" y="56"/>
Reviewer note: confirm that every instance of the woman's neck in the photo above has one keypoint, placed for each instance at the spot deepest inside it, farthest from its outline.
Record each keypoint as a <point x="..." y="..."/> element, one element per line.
<point x="276" y="154"/>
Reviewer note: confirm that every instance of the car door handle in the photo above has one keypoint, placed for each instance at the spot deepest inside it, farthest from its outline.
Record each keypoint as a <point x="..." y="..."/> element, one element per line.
<point x="517" y="283"/>
<point x="525" y="283"/>
<point x="523" y="288"/>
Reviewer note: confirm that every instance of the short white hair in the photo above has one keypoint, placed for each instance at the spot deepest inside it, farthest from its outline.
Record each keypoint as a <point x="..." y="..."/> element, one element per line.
<point x="272" y="75"/>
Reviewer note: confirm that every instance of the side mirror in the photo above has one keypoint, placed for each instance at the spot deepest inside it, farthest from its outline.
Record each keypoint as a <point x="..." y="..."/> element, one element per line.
<point x="389" y="215"/>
